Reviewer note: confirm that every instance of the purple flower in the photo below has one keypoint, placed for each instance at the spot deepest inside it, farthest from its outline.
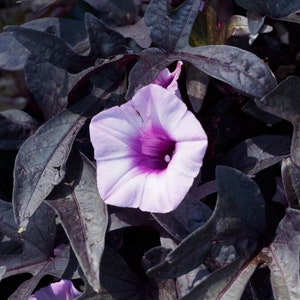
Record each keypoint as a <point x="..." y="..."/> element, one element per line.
<point x="61" y="290"/>
<point x="148" y="150"/>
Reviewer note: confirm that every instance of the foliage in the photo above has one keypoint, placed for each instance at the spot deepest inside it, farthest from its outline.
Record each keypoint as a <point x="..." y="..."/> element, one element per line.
<point x="236" y="233"/>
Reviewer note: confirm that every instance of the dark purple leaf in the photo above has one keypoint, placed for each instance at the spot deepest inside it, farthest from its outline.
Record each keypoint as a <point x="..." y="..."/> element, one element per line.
<point x="282" y="257"/>
<point x="8" y="226"/>
<point x="188" y="281"/>
<point x="55" y="266"/>
<point x="104" y="41"/>
<point x="25" y="289"/>
<point x="239" y="68"/>
<point x="15" y="127"/>
<point x="14" y="55"/>
<point x="236" y="226"/>
<point x="290" y="178"/>
<point x="252" y="109"/>
<point x="258" y="153"/>
<point x="272" y="8"/>
<point x="51" y="48"/>
<point x="49" y="85"/>
<point x="138" y="31"/>
<point x="83" y="215"/>
<point x="116" y="12"/>
<point x="117" y="280"/>
<point x="222" y="284"/>
<point x="284" y="102"/>
<point x="37" y="242"/>
<point x="170" y="29"/>
<point x="106" y="77"/>
<point x="191" y="214"/>
<point x="126" y="217"/>
<point x="40" y="163"/>
<point x="151" y="62"/>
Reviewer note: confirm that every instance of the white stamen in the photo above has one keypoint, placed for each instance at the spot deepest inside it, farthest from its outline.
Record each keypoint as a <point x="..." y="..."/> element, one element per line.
<point x="167" y="158"/>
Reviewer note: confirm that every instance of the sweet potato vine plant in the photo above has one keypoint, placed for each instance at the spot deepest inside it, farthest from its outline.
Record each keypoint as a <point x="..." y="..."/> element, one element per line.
<point x="124" y="178"/>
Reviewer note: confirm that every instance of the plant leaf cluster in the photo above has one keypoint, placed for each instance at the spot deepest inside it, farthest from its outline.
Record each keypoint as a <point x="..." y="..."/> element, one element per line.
<point x="227" y="231"/>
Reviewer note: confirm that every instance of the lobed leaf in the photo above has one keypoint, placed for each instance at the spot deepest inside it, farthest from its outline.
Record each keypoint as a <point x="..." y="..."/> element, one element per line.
<point x="138" y="31"/>
<point x="236" y="226"/>
<point x="241" y="69"/>
<point x="55" y="266"/>
<point x="83" y="215"/>
<point x="14" y="55"/>
<point x="37" y="257"/>
<point x="51" y="48"/>
<point x="170" y="29"/>
<point x="104" y="41"/>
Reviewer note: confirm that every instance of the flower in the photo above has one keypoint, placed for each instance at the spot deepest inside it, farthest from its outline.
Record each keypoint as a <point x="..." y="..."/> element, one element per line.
<point x="168" y="80"/>
<point x="150" y="149"/>
<point x="61" y="290"/>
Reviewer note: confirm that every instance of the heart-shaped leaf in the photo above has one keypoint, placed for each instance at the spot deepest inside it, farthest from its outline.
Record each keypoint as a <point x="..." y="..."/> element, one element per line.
<point x="236" y="226"/>
<point x="282" y="258"/>
<point x="82" y="214"/>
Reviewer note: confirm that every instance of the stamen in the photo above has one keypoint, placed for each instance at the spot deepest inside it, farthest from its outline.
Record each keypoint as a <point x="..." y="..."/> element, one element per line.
<point x="167" y="158"/>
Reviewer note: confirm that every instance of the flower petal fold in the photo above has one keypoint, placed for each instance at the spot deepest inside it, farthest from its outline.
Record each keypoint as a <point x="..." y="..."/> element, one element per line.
<point x="168" y="80"/>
